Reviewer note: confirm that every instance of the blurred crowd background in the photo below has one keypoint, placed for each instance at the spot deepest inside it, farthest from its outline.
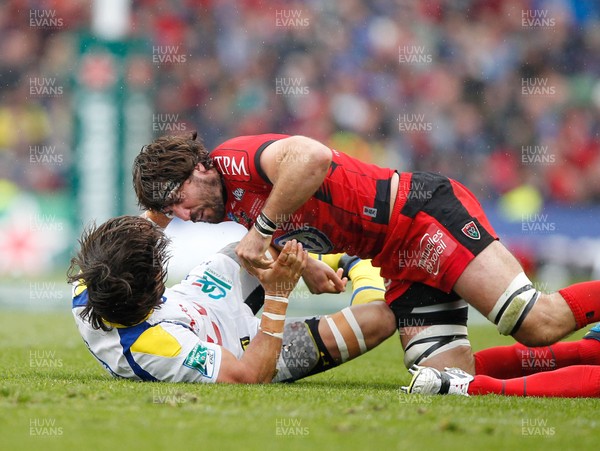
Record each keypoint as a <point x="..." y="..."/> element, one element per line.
<point x="471" y="117"/>
<point x="501" y="95"/>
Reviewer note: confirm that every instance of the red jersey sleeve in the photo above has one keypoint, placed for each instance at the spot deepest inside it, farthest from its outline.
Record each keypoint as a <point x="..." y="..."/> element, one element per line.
<point x="246" y="185"/>
<point x="238" y="159"/>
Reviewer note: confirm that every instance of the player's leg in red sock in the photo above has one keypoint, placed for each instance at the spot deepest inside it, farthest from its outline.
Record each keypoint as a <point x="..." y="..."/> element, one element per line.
<point x="584" y="301"/>
<point x="581" y="381"/>
<point x="500" y="362"/>
<point x="505" y="362"/>
<point x="509" y="299"/>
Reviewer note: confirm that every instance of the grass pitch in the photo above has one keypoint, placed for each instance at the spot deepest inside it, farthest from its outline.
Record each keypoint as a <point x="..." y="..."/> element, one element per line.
<point x="53" y="395"/>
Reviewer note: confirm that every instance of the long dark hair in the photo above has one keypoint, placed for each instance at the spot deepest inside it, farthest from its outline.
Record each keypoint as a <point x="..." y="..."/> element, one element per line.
<point x="162" y="166"/>
<point x="123" y="264"/>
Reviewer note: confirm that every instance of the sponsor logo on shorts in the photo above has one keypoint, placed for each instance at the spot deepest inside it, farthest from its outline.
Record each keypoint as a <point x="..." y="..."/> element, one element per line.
<point x="201" y="359"/>
<point x="432" y="247"/>
<point x="470" y="230"/>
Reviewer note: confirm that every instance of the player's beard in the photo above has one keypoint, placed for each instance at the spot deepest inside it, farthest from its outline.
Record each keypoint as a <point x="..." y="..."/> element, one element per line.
<point x="212" y="200"/>
<point x="219" y="202"/>
<point x="219" y="208"/>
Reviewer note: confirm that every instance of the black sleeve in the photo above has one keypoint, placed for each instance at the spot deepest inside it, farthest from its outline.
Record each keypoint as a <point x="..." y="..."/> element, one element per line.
<point x="257" y="155"/>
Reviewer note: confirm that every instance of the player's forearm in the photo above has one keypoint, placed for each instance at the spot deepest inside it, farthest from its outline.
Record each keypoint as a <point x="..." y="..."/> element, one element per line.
<point x="301" y="166"/>
<point x="260" y="358"/>
<point x="259" y="362"/>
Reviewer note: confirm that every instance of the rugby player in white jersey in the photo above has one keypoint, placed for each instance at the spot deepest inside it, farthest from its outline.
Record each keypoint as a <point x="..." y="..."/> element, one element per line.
<point x="203" y="329"/>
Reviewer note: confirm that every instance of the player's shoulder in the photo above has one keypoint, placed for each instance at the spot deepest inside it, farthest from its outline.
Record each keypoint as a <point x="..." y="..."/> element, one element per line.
<point x="216" y="277"/>
<point x="168" y="353"/>
<point x="163" y="339"/>
<point x="224" y="262"/>
<point x="79" y="294"/>
<point x="249" y="142"/>
<point x="238" y="159"/>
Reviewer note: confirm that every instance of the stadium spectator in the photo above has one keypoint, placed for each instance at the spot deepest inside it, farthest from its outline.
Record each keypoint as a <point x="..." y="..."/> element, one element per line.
<point x="432" y="85"/>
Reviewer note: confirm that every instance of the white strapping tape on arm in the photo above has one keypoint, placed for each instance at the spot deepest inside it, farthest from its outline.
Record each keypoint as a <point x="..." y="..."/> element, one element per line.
<point x="347" y="312"/>
<point x="341" y="343"/>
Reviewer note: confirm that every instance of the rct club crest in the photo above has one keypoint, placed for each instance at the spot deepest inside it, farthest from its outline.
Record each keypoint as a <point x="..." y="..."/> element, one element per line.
<point x="470" y="229"/>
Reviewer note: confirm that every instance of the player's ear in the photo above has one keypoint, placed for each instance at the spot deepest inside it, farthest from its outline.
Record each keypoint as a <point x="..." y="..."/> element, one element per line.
<point x="200" y="168"/>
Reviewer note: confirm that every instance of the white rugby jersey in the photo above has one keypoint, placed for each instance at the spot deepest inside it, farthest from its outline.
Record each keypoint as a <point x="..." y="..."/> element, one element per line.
<point x="180" y="341"/>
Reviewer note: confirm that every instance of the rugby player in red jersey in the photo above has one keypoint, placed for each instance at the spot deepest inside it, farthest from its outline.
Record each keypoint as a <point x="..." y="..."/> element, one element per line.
<point x="427" y="234"/>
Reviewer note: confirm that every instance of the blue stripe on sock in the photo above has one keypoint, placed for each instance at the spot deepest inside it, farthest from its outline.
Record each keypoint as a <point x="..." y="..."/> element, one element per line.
<point x="358" y="260"/>
<point x="358" y="290"/>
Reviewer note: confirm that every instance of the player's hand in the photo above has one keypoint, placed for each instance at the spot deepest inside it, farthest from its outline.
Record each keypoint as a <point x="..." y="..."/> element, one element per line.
<point x="251" y="250"/>
<point x="320" y="278"/>
<point x="282" y="277"/>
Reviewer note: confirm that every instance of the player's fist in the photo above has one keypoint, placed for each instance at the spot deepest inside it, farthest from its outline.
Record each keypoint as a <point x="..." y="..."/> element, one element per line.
<point x="251" y="251"/>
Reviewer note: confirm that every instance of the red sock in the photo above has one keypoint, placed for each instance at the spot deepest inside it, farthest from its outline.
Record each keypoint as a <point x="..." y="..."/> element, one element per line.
<point x="584" y="301"/>
<point x="581" y="352"/>
<point x="505" y="362"/>
<point x="572" y="382"/>
<point x="500" y="362"/>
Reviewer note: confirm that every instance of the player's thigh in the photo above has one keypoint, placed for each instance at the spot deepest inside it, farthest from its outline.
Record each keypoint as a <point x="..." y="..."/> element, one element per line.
<point x="490" y="276"/>
<point x="487" y="276"/>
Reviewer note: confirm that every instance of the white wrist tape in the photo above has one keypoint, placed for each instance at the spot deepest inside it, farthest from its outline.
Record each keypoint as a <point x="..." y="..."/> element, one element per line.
<point x="269" y="297"/>
<point x="272" y="334"/>
<point x="274" y="316"/>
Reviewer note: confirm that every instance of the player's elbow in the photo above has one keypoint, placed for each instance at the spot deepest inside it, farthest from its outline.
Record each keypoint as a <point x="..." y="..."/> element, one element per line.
<point x="241" y="378"/>
<point x="313" y="154"/>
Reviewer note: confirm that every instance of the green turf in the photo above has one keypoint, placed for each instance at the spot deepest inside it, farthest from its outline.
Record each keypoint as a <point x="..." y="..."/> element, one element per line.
<point x="53" y="395"/>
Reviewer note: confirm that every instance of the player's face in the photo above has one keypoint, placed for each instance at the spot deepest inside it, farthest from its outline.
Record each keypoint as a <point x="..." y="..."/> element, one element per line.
<point x="200" y="197"/>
